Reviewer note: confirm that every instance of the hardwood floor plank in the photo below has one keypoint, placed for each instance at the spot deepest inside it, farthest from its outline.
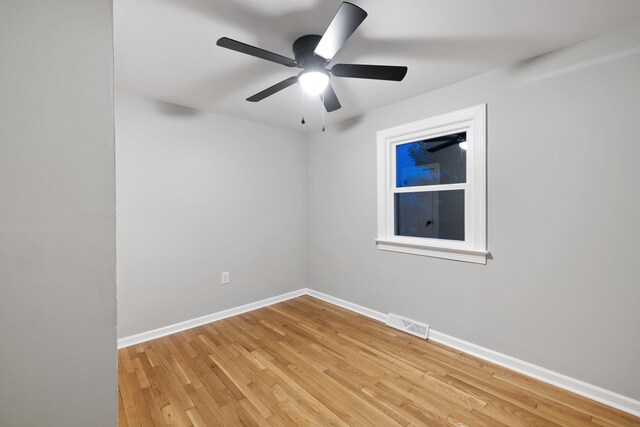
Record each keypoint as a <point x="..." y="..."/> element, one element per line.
<point x="144" y="416"/>
<point x="304" y="362"/>
<point x="152" y="404"/>
<point x="207" y="407"/>
<point x="131" y="413"/>
<point x="122" y="416"/>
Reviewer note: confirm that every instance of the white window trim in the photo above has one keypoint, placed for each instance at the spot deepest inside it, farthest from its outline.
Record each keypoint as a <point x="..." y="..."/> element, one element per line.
<point x="474" y="247"/>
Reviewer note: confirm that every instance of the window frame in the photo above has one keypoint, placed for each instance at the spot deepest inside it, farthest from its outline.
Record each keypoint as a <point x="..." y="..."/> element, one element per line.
<point x="474" y="247"/>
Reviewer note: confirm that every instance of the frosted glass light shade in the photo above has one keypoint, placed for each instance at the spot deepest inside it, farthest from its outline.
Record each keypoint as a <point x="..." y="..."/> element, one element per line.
<point x="313" y="82"/>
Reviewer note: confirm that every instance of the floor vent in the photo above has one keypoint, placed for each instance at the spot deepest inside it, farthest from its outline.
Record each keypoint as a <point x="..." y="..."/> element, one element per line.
<point x="407" y="325"/>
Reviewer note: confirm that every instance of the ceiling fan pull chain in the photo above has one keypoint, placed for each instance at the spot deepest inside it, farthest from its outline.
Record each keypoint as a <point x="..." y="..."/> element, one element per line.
<point x="323" y="110"/>
<point x="302" y="94"/>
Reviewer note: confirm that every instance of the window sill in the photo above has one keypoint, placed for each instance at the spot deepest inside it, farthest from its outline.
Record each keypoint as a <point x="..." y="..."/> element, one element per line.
<point x="465" y="255"/>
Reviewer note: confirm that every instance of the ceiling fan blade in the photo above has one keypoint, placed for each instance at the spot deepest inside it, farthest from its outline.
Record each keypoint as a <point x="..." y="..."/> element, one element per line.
<point x="273" y="89"/>
<point x="443" y="146"/>
<point x="378" y="72"/>
<point x="330" y="99"/>
<point x="344" y="23"/>
<point x="447" y="141"/>
<point x="255" y="51"/>
<point x="444" y="138"/>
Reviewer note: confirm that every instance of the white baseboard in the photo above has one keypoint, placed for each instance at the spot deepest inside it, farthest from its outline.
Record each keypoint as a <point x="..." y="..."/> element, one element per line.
<point x="199" y="321"/>
<point x="573" y="385"/>
<point x="349" y="305"/>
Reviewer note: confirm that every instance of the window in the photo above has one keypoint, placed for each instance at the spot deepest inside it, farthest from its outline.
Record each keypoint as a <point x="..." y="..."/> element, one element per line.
<point x="432" y="187"/>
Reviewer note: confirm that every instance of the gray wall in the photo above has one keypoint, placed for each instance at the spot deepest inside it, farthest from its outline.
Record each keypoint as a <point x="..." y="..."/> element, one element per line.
<point x="562" y="290"/>
<point x="199" y="194"/>
<point x="57" y="214"/>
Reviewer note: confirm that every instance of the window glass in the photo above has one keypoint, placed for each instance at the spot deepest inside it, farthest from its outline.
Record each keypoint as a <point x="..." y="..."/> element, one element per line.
<point x="433" y="161"/>
<point x="432" y="214"/>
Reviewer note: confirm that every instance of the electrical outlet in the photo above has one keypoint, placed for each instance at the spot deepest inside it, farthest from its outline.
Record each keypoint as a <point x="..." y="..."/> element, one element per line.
<point x="224" y="278"/>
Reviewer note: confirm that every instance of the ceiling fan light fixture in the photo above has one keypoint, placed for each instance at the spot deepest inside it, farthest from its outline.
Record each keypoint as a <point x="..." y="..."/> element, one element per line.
<point x="313" y="82"/>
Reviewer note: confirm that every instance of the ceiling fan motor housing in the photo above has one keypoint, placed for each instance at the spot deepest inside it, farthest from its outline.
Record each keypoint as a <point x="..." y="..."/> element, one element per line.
<point x="303" y="49"/>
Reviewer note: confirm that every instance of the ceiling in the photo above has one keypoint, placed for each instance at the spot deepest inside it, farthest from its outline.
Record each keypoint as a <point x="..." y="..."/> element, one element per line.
<point x="165" y="49"/>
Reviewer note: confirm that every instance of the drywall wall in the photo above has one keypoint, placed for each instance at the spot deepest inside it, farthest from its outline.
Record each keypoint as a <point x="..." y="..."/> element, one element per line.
<point x="562" y="288"/>
<point x="199" y="194"/>
<point x="57" y="214"/>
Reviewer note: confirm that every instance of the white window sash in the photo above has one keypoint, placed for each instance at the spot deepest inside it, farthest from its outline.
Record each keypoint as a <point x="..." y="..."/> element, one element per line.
<point x="473" y="248"/>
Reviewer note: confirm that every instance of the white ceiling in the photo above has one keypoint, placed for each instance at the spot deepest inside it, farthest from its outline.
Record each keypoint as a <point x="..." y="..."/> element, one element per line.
<point x="165" y="49"/>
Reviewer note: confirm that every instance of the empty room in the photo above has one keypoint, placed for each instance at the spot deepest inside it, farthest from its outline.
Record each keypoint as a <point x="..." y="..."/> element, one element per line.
<point x="319" y="213"/>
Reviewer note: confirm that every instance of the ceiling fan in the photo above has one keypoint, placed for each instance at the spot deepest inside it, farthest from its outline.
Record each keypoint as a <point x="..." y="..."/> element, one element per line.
<point x="313" y="53"/>
<point x="447" y="141"/>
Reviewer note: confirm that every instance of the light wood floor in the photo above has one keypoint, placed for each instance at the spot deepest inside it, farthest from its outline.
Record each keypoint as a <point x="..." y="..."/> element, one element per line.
<point x="304" y="362"/>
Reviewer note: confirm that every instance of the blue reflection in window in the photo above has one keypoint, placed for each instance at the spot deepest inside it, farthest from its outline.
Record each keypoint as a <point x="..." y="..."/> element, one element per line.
<point x="433" y="161"/>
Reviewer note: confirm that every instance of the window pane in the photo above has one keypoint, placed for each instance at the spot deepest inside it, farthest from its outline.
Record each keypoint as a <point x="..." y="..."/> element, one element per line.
<point x="433" y="214"/>
<point x="439" y="160"/>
